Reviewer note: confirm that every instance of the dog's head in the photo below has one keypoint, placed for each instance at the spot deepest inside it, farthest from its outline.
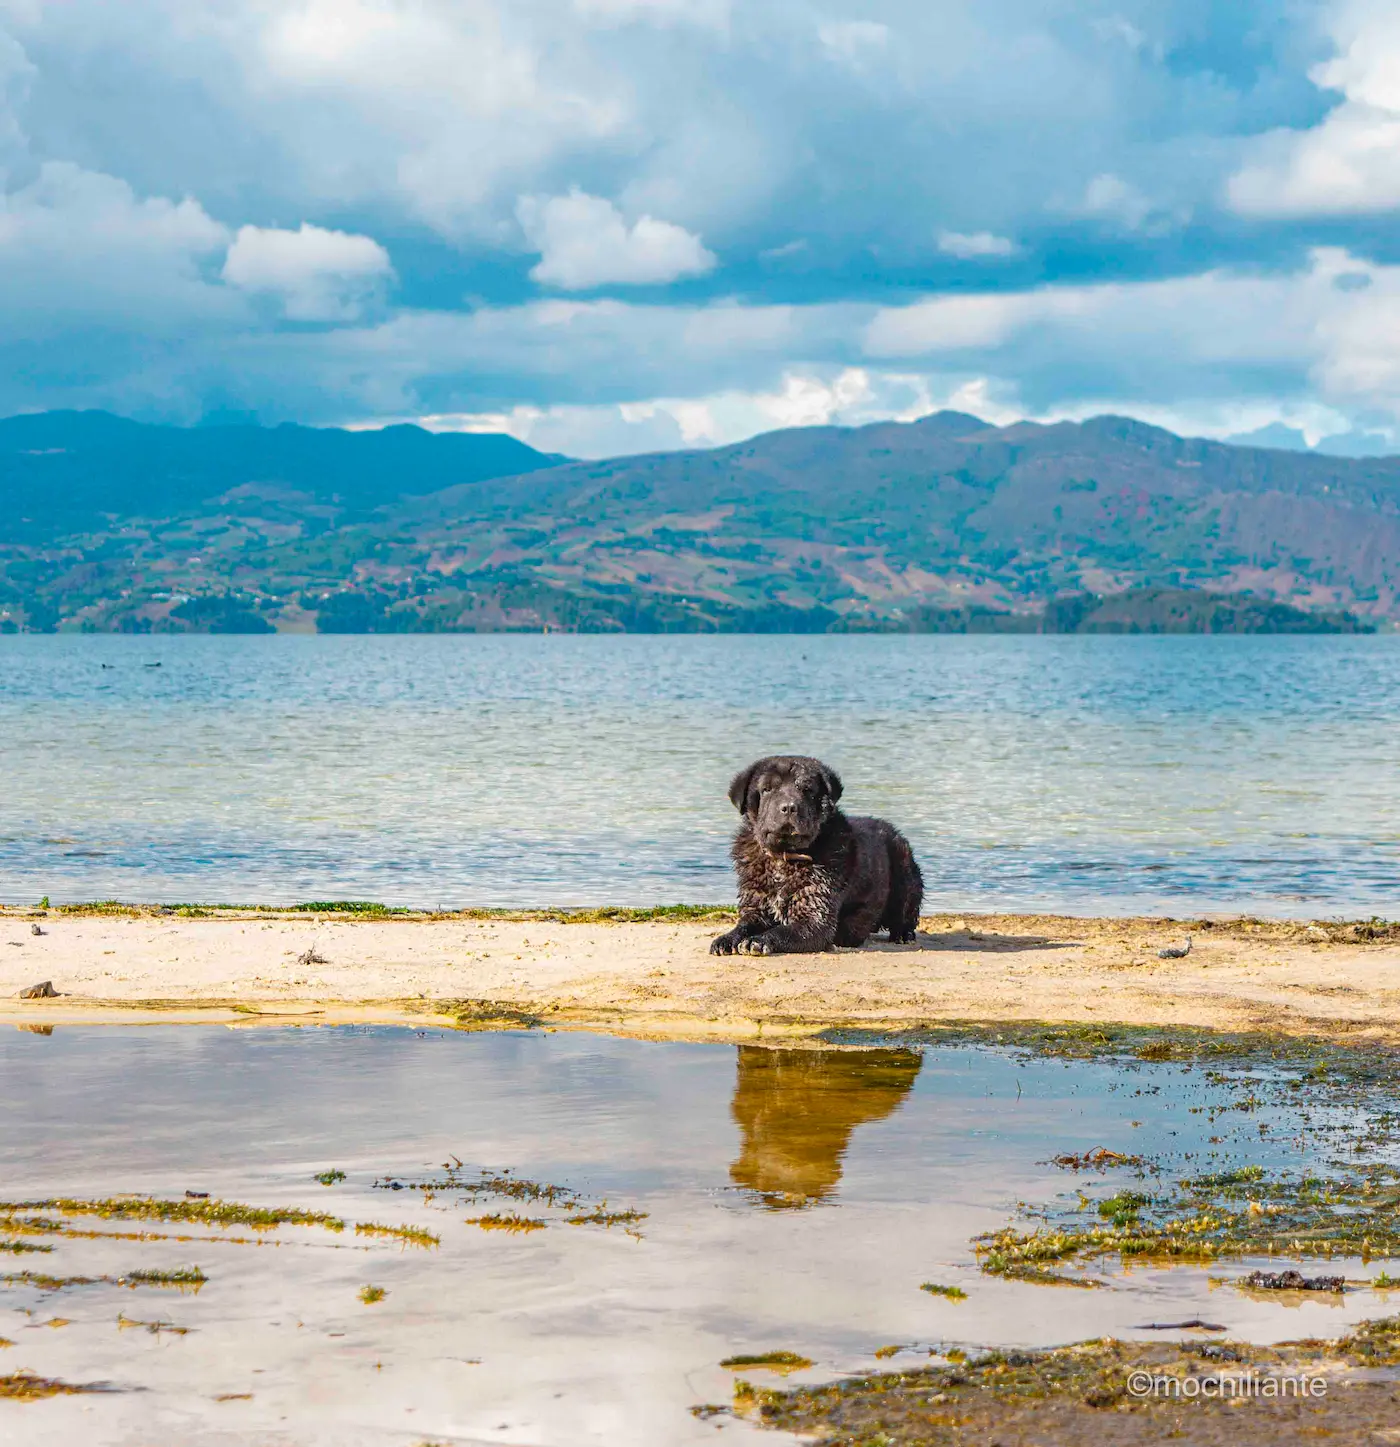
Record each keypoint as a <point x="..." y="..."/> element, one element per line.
<point x="787" y="799"/>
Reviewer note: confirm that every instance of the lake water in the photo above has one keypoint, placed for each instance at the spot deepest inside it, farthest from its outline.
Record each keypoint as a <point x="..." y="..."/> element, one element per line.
<point x="1088" y="775"/>
<point x="788" y="1200"/>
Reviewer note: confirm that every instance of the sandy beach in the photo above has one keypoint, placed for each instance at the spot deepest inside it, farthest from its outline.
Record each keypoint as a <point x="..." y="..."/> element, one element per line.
<point x="655" y="978"/>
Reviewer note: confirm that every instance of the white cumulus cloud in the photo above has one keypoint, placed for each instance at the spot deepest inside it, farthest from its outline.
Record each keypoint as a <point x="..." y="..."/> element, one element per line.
<point x="806" y="398"/>
<point x="317" y="275"/>
<point x="1349" y="163"/>
<point x="1112" y="198"/>
<point x="77" y="243"/>
<point x="969" y="323"/>
<point x="974" y="245"/>
<point x="584" y="241"/>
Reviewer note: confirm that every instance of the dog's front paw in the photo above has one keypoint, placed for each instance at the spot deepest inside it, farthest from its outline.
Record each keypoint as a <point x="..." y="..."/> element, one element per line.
<point x="729" y="944"/>
<point x="758" y="946"/>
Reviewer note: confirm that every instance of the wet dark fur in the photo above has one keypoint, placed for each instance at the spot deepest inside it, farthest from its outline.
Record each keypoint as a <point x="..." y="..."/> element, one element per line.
<point x="809" y="877"/>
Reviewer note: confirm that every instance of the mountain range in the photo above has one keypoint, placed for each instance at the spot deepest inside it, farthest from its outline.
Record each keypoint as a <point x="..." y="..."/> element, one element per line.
<point x="945" y="522"/>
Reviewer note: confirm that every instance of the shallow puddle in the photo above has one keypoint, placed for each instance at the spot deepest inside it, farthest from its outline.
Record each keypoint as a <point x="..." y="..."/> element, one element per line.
<point x="709" y="1203"/>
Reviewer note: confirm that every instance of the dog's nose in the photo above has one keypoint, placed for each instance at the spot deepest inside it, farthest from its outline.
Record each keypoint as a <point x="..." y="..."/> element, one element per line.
<point x="785" y="808"/>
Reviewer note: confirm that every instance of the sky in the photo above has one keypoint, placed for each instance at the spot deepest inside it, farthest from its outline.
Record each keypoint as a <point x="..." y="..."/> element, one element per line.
<point x="611" y="226"/>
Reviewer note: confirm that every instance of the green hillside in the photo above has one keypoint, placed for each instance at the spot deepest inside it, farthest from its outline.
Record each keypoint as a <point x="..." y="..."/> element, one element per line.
<point x="941" y="524"/>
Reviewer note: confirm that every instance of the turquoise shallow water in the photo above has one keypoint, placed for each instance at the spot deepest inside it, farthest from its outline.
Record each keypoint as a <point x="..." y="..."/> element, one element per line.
<point x="1169" y="775"/>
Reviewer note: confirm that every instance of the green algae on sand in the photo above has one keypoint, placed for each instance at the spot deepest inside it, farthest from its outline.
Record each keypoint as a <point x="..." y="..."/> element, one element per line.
<point x="1242" y="1212"/>
<point x="369" y="909"/>
<point x="1345" y="1201"/>
<point x="1082" y="1394"/>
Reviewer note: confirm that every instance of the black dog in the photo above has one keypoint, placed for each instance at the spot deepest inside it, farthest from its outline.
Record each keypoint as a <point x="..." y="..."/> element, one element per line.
<point x="809" y="877"/>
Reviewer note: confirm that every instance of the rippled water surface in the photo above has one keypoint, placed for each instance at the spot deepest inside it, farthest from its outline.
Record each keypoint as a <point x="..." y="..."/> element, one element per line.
<point x="1079" y="774"/>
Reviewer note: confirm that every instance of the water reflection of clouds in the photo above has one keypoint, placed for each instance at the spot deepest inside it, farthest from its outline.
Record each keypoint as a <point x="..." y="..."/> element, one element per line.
<point x="903" y="1157"/>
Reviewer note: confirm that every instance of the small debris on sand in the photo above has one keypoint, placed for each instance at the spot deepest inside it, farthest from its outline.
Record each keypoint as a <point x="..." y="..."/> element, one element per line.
<point x="42" y="991"/>
<point x="310" y="957"/>
<point x="35" y="930"/>
<point x="1176" y="952"/>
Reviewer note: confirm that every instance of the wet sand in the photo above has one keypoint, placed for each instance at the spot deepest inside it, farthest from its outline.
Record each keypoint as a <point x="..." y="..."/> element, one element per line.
<point x="656" y="979"/>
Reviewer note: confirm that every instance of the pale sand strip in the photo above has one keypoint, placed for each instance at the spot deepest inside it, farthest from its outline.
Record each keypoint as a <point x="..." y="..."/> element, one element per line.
<point x="656" y="979"/>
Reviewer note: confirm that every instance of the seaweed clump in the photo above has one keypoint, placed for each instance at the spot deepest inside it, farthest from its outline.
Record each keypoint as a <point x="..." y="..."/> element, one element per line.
<point x="516" y="1188"/>
<point x="503" y="1185"/>
<point x="188" y="1278"/>
<point x="409" y="1235"/>
<point x="507" y="1221"/>
<point x="1099" y="1159"/>
<point x="154" y="1328"/>
<point x="194" y="1211"/>
<point x="44" y="1282"/>
<point x="26" y="1387"/>
<point x="604" y="1217"/>
<point x="780" y="1361"/>
<point x="1240" y="1212"/>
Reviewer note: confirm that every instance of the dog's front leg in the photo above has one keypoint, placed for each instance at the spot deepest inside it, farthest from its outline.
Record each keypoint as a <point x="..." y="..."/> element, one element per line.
<point x="786" y="939"/>
<point x="809" y="926"/>
<point x="752" y="922"/>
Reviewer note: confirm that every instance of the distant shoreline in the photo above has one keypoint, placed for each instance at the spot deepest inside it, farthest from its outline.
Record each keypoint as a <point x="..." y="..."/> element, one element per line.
<point x="648" y="973"/>
<point x="1185" y="612"/>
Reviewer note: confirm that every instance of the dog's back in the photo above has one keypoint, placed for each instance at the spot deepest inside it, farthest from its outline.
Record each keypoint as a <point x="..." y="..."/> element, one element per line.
<point x="906" y="897"/>
<point x="889" y="865"/>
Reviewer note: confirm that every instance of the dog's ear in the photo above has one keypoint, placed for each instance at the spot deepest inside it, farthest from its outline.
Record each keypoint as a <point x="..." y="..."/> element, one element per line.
<point x="739" y="787"/>
<point x="832" y="780"/>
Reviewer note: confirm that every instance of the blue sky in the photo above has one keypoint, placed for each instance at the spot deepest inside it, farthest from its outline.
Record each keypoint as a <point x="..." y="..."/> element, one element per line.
<point x="612" y="225"/>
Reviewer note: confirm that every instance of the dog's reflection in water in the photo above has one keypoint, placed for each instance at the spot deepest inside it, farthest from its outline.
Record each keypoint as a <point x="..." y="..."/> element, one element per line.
<point x="798" y="1108"/>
